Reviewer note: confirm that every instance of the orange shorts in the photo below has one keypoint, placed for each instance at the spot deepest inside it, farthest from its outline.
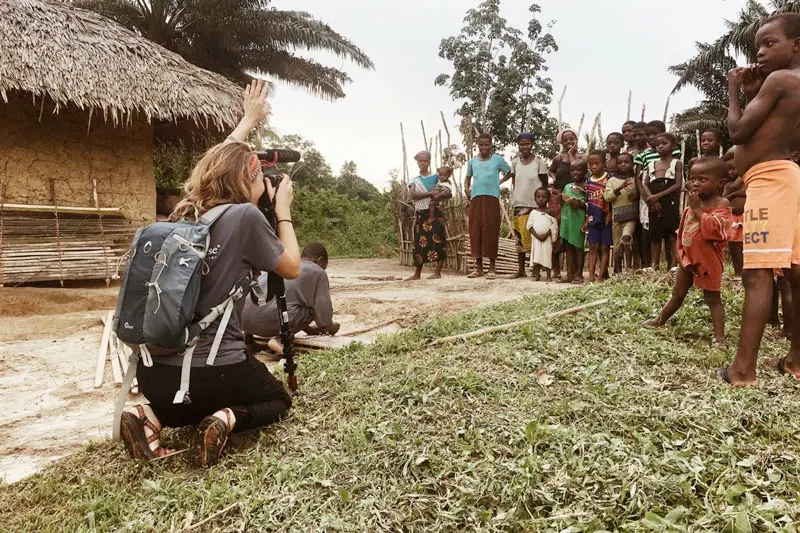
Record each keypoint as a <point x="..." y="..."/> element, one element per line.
<point x="772" y="215"/>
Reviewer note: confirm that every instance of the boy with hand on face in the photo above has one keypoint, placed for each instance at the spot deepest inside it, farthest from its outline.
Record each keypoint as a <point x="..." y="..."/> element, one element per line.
<point x="765" y="134"/>
<point x="703" y="234"/>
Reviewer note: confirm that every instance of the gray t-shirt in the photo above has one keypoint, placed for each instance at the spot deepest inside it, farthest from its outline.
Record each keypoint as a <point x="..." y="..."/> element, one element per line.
<point x="527" y="179"/>
<point x="308" y="299"/>
<point x="241" y="240"/>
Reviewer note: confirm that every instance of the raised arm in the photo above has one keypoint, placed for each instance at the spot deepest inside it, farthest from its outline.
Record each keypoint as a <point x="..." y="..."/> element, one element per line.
<point x="256" y="109"/>
<point x="743" y="124"/>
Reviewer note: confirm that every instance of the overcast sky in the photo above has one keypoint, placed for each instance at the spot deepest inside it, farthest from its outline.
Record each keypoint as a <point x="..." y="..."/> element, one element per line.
<point x="605" y="48"/>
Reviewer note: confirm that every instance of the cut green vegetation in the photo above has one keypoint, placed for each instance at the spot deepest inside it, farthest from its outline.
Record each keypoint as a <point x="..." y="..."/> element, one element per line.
<point x="591" y="422"/>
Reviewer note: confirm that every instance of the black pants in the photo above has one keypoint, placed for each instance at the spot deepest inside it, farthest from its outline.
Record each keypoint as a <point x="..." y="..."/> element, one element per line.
<point x="248" y="388"/>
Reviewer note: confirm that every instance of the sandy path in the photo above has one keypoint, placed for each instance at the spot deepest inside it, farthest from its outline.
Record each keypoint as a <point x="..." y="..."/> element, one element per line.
<point x="49" y="340"/>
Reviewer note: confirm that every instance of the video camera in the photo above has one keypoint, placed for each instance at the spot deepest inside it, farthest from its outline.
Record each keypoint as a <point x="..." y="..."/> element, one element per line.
<point x="275" y="284"/>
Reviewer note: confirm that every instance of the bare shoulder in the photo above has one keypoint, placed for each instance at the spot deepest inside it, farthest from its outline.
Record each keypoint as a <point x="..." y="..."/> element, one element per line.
<point x="783" y="79"/>
<point x="722" y="202"/>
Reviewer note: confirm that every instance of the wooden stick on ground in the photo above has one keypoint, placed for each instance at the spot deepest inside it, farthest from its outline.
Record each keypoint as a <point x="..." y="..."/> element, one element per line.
<point x="504" y="327"/>
<point x="101" y="354"/>
<point x="369" y="328"/>
<point x="188" y="527"/>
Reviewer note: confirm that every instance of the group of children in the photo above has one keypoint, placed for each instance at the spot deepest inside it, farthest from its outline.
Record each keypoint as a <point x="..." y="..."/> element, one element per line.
<point x="625" y="198"/>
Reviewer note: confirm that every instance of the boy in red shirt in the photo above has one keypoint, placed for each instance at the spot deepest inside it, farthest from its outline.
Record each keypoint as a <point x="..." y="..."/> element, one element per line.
<point x="703" y="234"/>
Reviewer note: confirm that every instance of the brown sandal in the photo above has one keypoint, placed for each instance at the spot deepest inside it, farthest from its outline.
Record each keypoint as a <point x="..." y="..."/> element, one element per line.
<point x="133" y="434"/>
<point x="212" y="434"/>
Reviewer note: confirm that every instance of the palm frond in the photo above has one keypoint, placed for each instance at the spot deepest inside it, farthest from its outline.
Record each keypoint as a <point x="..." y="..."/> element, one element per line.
<point x="297" y="29"/>
<point x="318" y="79"/>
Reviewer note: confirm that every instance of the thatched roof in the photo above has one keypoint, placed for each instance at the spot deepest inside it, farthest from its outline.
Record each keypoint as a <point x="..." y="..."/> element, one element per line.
<point x="76" y="56"/>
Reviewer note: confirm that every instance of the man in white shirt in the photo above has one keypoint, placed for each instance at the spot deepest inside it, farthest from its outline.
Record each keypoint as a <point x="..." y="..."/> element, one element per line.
<point x="528" y="174"/>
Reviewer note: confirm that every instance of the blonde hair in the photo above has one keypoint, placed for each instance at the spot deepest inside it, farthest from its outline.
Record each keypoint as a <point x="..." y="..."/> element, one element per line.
<point x="218" y="178"/>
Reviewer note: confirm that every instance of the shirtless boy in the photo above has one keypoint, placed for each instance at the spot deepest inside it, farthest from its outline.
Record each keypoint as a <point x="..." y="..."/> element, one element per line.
<point x="765" y="133"/>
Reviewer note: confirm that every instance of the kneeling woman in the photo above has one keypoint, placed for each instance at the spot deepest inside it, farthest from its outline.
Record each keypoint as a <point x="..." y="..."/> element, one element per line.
<point x="236" y="393"/>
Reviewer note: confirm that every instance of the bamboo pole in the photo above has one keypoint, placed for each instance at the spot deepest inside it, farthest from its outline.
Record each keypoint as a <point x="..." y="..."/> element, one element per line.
<point x="580" y="126"/>
<point x="424" y="136"/>
<point x="441" y="153"/>
<point x="101" y="354"/>
<point x="699" y="150"/>
<point x="594" y="127"/>
<point x="446" y="129"/>
<point x="560" y="100"/>
<point x="102" y="231"/>
<point x="2" y="223"/>
<point x="512" y="325"/>
<point x="58" y="230"/>
<point x="630" y="95"/>
<point x="405" y="155"/>
<point x="666" y="109"/>
<point x="369" y="328"/>
<point x="644" y="108"/>
<point x="600" y="137"/>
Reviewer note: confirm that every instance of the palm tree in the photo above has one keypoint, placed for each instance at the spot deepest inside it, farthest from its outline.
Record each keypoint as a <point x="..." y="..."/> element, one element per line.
<point x="237" y="38"/>
<point x="738" y="40"/>
<point x="708" y="70"/>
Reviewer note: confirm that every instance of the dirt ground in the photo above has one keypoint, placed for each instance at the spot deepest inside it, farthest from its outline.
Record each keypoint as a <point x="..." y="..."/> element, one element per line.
<point x="49" y="339"/>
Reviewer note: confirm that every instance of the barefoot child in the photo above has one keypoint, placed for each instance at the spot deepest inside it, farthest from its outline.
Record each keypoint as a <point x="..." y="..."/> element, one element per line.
<point x="573" y="218"/>
<point x="560" y="177"/>
<point x="621" y="194"/>
<point x="662" y="185"/>
<point x="599" y="219"/>
<point x="704" y="231"/>
<point x="735" y="193"/>
<point x="544" y="229"/>
<point x="765" y="135"/>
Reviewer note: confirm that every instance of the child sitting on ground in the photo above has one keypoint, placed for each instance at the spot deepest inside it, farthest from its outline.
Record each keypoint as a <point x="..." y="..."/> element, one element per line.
<point x="662" y="185"/>
<point x="544" y="229"/>
<point x="624" y="199"/>
<point x="573" y="217"/>
<point x="442" y="191"/>
<point x="599" y="220"/>
<point x="703" y="234"/>
<point x="735" y="193"/>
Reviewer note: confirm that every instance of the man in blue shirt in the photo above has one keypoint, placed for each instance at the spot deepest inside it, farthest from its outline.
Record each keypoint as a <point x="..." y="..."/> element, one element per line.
<point x="482" y="186"/>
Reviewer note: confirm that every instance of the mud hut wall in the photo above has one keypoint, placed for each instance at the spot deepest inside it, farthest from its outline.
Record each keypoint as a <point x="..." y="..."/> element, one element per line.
<point x="32" y="151"/>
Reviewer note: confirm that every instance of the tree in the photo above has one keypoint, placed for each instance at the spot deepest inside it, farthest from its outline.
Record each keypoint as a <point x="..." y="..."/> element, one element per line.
<point x="353" y="185"/>
<point x="738" y="40"/>
<point x="238" y="37"/>
<point x="708" y="70"/>
<point x="498" y="75"/>
<point x="313" y="171"/>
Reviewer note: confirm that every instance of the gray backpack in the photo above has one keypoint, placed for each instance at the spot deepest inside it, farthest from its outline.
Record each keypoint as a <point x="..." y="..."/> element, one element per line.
<point x="158" y="296"/>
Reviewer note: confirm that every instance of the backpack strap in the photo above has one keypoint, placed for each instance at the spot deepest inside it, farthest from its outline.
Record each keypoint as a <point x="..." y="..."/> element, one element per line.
<point x="225" y="309"/>
<point x="211" y="216"/>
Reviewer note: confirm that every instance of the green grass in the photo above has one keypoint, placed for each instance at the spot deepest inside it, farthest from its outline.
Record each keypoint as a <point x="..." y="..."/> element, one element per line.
<point x="588" y="423"/>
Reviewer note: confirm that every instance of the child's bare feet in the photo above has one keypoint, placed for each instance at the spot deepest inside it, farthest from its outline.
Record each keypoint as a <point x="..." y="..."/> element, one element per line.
<point x="413" y="278"/>
<point x="435" y="276"/>
<point x="737" y="379"/>
<point x="719" y="343"/>
<point x="654" y="322"/>
<point x="475" y="274"/>
<point x="275" y="345"/>
<point x="784" y="367"/>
